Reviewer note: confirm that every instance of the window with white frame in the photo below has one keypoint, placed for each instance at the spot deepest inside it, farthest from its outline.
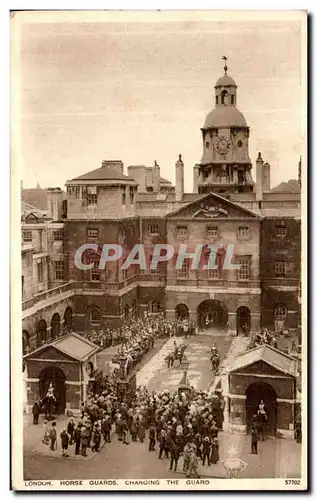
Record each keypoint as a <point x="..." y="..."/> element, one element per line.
<point x="243" y="231"/>
<point x="245" y="268"/>
<point x="153" y="229"/>
<point x="212" y="231"/>
<point x="27" y="236"/>
<point x="155" y="307"/>
<point x="59" y="270"/>
<point x="183" y="272"/>
<point x="91" y="199"/>
<point x="94" y="316"/>
<point x="181" y="231"/>
<point x="95" y="271"/>
<point x="280" y="231"/>
<point x="93" y="234"/>
<point x="58" y="235"/>
<point x="280" y="313"/>
<point x="280" y="268"/>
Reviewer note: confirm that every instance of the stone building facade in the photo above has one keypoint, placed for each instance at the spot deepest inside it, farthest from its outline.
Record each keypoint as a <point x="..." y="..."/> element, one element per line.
<point x="105" y="206"/>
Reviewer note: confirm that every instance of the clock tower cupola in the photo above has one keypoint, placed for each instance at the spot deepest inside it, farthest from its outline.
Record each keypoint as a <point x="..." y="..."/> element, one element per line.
<point x="225" y="166"/>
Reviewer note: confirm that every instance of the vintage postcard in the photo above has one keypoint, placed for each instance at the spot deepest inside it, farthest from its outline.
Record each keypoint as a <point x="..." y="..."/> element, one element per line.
<point x="159" y="331"/>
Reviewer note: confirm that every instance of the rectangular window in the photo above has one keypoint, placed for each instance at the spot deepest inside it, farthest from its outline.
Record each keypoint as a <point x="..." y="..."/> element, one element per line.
<point x="58" y="235"/>
<point x="280" y="268"/>
<point x="183" y="272"/>
<point x="59" y="270"/>
<point x="95" y="271"/>
<point x="243" y="231"/>
<point x="245" y="267"/>
<point x="93" y="234"/>
<point x="280" y="231"/>
<point x="213" y="274"/>
<point x="123" y="198"/>
<point x="181" y="231"/>
<point x="212" y="231"/>
<point x="39" y="272"/>
<point x="131" y="195"/>
<point x="27" y="236"/>
<point x="91" y="199"/>
<point x="153" y="229"/>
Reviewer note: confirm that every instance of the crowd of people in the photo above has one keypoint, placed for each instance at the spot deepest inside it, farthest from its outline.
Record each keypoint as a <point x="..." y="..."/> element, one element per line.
<point x="183" y="423"/>
<point x="156" y="325"/>
<point x="264" y="337"/>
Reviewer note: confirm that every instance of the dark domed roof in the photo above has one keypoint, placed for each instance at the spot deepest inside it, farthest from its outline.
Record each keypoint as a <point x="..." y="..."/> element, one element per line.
<point x="225" y="116"/>
<point x="225" y="81"/>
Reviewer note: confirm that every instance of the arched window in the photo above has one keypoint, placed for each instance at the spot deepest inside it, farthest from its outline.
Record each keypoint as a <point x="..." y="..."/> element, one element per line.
<point x="55" y="326"/>
<point x="25" y="342"/>
<point x="94" y="316"/>
<point x="224" y="95"/>
<point x="280" y="313"/>
<point x="126" y="312"/>
<point x="155" y="307"/>
<point x="68" y="319"/>
<point x="41" y="332"/>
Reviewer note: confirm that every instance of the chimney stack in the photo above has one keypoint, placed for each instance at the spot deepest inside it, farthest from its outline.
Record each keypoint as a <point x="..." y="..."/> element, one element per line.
<point x="266" y="177"/>
<point x="196" y="177"/>
<point x="156" y="177"/>
<point x="179" y="179"/>
<point x="114" y="165"/>
<point x="54" y="203"/>
<point x="259" y="178"/>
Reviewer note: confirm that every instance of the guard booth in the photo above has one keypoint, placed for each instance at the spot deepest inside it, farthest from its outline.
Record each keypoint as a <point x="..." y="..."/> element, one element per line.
<point x="267" y="374"/>
<point x="69" y="363"/>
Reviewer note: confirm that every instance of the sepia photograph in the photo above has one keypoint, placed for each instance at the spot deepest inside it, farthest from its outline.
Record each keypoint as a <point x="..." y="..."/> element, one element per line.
<point x="158" y="323"/>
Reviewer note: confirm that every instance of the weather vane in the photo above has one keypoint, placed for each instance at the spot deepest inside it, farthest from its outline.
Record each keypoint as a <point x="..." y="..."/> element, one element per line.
<point x="225" y="66"/>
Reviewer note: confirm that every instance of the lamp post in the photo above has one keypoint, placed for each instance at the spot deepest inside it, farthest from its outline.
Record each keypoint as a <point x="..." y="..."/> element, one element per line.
<point x="184" y="385"/>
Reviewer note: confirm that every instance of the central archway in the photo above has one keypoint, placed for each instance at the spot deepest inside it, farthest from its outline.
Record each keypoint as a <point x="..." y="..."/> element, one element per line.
<point x="212" y="314"/>
<point x="181" y="311"/>
<point x="243" y="320"/>
<point x="254" y="394"/>
<point x="57" y="377"/>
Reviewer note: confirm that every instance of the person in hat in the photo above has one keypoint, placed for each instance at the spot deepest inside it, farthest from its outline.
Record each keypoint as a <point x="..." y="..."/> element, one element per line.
<point x="46" y="438"/>
<point x="84" y="441"/>
<point x="214" y="458"/>
<point x="206" y="450"/>
<point x="175" y="453"/>
<point x="36" y="410"/>
<point x="70" y="430"/>
<point x="96" y="437"/>
<point x="77" y="438"/>
<point x="64" y="442"/>
<point x="53" y="436"/>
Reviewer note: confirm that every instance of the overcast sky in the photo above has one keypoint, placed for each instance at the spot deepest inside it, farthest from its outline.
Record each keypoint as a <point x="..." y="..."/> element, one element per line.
<point x="139" y="91"/>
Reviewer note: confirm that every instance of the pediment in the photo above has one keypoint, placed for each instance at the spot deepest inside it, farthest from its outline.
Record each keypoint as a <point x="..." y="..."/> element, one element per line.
<point x="212" y="206"/>
<point x="259" y="368"/>
<point x="49" y="353"/>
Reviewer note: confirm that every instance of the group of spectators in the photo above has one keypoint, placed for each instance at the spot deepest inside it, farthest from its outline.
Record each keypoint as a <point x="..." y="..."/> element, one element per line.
<point x="157" y="325"/>
<point x="264" y="337"/>
<point x="180" y="424"/>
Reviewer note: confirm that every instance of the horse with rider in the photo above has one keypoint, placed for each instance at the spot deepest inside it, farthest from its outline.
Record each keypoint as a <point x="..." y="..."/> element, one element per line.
<point x="176" y="355"/>
<point x="260" y="420"/>
<point x="214" y="358"/>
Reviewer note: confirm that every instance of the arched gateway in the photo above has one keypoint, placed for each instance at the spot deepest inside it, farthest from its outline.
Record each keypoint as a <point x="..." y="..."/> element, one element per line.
<point x="212" y="313"/>
<point x="254" y="394"/>
<point x="57" y="377"/>
<point x="181" y="311"/>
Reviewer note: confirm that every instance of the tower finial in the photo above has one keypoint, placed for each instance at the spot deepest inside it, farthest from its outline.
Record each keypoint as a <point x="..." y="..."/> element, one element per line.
<point x="225" y="66"/>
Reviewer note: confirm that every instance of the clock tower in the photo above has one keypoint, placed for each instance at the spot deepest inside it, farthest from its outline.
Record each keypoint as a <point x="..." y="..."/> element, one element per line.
<point x="225" y="166"/>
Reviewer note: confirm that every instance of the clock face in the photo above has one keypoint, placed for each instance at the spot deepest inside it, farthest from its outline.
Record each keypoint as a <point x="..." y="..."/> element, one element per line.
<point x="222" y="145"/>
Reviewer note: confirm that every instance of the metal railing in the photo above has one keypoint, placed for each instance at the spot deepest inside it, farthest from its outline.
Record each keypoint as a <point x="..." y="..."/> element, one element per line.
<point x="52" y="292"/>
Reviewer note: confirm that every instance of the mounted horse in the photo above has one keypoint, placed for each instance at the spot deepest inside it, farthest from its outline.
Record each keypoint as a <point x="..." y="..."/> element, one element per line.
<point x="176" y="355"/>
<point x="215" y="361"/>
<point x="48" y="404"/>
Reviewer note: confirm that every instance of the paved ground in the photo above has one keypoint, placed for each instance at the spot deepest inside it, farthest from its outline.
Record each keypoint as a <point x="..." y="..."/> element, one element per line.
<point x="276" y="458"/>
